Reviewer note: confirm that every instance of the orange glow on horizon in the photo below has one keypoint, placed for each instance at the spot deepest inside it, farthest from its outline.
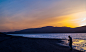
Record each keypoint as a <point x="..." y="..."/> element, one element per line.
<point x="71" y="20"/>
<point x="74" y="20"/>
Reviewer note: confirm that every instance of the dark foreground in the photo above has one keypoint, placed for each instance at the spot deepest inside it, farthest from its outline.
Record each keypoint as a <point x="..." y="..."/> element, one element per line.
<point x="21" y="44"/>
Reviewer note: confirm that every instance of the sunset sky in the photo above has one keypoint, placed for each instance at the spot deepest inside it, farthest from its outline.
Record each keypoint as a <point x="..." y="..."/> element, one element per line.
<point x="23" y="14"/>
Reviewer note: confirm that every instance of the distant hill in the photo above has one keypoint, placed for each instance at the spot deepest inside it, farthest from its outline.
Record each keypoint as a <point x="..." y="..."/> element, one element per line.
<point x="51" y="29"/>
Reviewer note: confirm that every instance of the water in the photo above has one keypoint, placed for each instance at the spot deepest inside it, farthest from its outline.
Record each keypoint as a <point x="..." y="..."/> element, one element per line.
<point x="79" y="39"/>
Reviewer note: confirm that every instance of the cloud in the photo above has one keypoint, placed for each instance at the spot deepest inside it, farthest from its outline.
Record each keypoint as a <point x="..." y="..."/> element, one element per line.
<point x="29" y="14"/>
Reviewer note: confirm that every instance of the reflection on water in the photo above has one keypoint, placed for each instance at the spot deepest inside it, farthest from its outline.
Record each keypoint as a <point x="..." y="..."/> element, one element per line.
<point x="79" y="44"/>
<point x="79" y="39"/>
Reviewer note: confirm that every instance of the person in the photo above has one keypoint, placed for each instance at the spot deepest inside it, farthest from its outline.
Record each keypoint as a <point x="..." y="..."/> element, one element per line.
<point x="70" y="42"/>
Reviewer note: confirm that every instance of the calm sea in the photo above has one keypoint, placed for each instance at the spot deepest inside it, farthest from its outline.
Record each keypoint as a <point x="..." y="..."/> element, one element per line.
<point x="79" y="39"/>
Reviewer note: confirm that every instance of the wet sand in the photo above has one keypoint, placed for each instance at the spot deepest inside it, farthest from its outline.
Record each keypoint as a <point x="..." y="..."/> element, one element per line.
<point x="24" y="44"/>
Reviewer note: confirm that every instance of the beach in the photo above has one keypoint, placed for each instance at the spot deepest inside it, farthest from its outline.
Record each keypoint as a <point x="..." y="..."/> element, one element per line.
<point x="23" y="44"/>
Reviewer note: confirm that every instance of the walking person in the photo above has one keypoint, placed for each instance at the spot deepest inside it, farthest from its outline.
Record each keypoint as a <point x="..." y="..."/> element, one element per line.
<point x="70" y="42"/>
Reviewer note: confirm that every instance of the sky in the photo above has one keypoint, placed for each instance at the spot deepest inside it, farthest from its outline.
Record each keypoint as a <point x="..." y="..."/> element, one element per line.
<point x="23" y="14"/>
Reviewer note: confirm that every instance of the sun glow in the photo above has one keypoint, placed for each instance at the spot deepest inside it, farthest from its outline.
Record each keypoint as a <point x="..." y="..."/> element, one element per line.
<point x="82" y="17"/>
<point x="74" y="20"/>
<point x="83" y="22"/>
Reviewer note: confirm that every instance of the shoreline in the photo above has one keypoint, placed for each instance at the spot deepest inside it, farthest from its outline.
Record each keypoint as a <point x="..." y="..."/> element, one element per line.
<point x="10" y="43"/>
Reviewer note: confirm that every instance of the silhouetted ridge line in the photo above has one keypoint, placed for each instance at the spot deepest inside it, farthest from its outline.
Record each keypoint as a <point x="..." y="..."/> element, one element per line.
<point x="51" y="29"/>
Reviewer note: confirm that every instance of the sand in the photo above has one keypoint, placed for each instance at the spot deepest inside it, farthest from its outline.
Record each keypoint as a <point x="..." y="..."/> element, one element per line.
<point x="24" y="44"/>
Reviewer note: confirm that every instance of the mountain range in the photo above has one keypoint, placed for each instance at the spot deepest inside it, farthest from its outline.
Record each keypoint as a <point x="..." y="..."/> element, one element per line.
<point x="51" y="29"/>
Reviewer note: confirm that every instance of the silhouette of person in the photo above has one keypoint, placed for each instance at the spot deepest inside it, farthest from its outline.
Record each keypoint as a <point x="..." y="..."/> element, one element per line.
<point x="70" y="42"/>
